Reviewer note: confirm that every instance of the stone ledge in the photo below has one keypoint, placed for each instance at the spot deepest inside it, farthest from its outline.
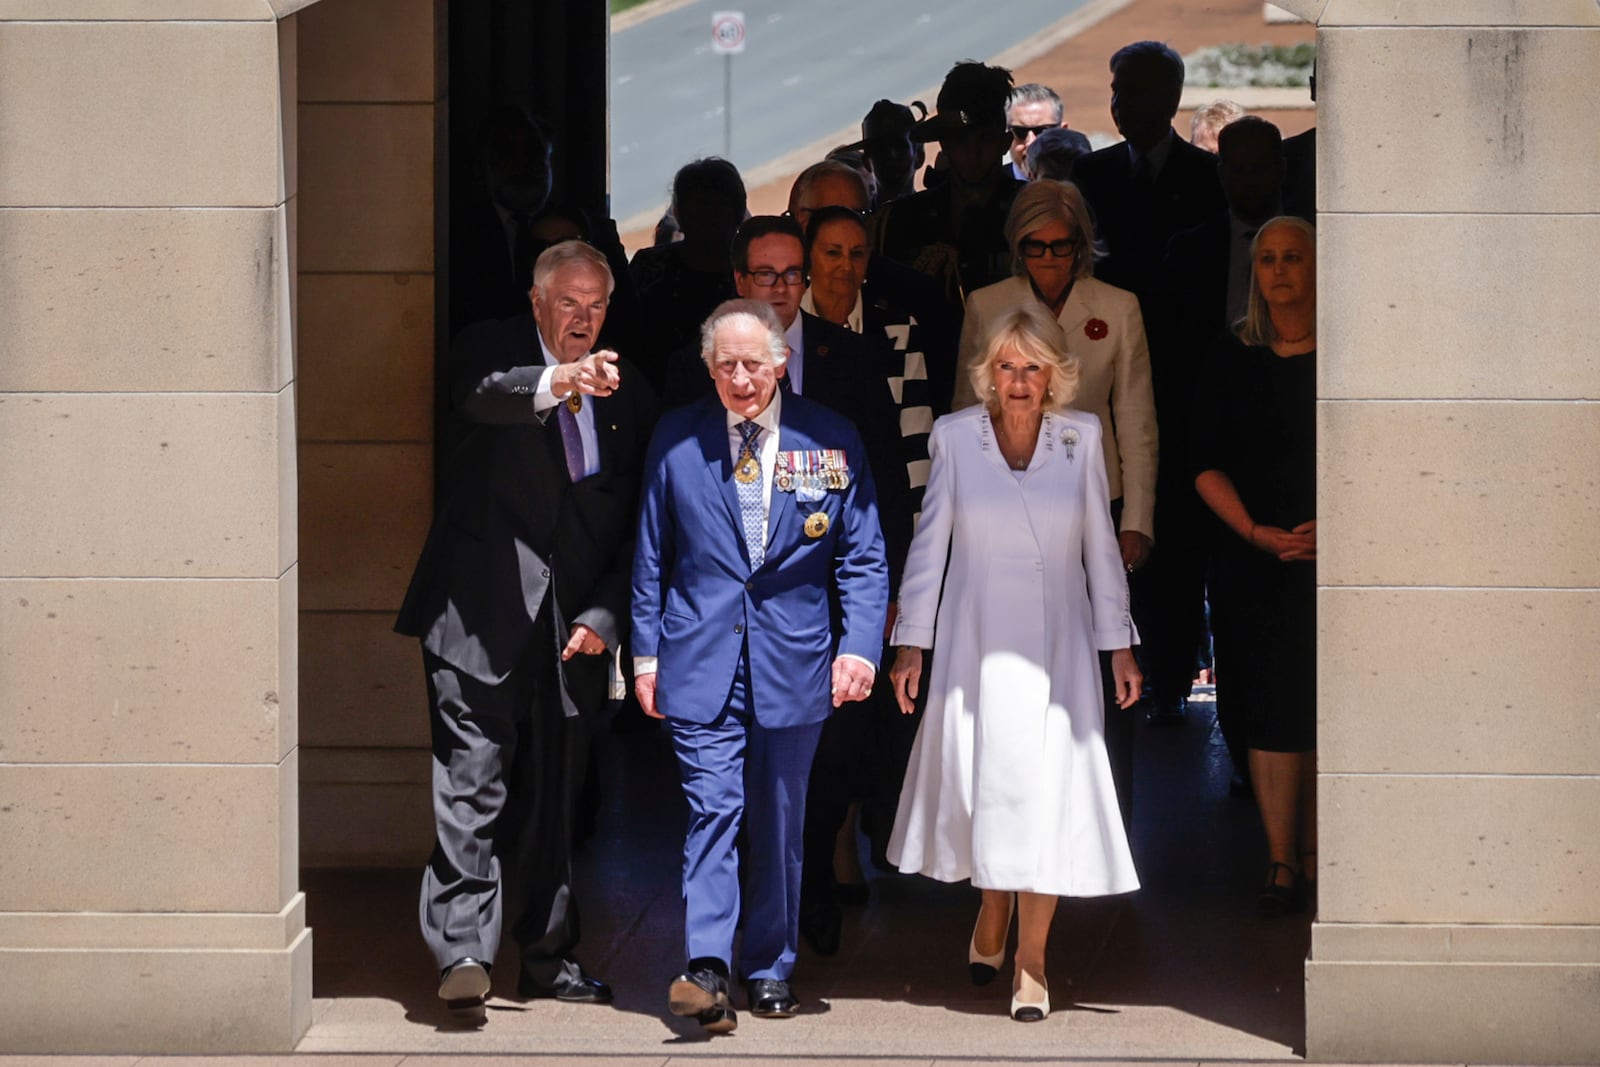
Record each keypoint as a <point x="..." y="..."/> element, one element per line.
<point x="146" y="10"/>
<point x="156" y="1000"/>
<point x="1454" y="943"/>
<point x="1377" y="1012"/>
<point x="134" y="931"/>
<point x="1387" y="14"/>
<point x="1249" y="97"/>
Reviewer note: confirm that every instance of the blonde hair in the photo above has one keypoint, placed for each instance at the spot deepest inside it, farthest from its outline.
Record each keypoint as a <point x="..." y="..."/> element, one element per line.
<point x="1256" y="327"/>
<point x="1032" y="332"/>
<point x="1211" y="118"/>
<point x="1040" y="203"/>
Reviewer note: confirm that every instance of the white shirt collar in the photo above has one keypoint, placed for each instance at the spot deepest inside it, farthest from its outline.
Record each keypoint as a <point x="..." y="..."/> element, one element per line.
<point x="550" y="359"/>
<point x="852" y="321"/>
<point x="767" y="420"/>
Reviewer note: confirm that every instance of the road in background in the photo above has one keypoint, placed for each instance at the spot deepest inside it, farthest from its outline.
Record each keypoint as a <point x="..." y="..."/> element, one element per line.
<point x="809" y="67"/>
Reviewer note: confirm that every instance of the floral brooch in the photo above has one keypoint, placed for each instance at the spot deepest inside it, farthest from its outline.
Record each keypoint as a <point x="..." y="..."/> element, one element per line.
<point x="1095" y="329"/>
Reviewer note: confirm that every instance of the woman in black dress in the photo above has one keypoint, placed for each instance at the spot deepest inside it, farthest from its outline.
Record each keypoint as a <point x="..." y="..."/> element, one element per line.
<point x="1256" y="457"/>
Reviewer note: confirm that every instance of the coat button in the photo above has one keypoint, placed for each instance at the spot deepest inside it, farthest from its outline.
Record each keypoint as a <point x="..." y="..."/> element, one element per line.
<point x="738" y="627"/>
<point x="545" y="573"/>
<point x="749" y="585"/>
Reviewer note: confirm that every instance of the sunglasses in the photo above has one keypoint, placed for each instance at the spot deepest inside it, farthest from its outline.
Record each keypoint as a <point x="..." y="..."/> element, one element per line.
<point x="1035" y="249"/>
<point x="1022" y="133"/>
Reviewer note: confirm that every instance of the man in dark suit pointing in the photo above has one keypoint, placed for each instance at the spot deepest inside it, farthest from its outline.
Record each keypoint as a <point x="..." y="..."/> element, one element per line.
<point x="520" y="595"/>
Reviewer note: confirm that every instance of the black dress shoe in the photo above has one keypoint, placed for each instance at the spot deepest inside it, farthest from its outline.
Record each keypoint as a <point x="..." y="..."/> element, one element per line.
<point x="464" y="984"/>
<point x="821" y="927"/>
<point x="770" y="999"/>
<point x="702" y="995"/>
<point x="569" y="988"/>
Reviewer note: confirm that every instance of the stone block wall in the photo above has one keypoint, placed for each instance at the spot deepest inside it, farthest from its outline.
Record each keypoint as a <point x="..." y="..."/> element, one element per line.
<point x="370" y="111"/>
<point x="1459" y="499"/>
<point x="149" y="588"/>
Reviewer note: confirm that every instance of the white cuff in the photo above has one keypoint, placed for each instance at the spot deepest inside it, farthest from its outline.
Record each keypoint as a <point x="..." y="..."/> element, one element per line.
<point x="543" y="398"/>
<point x="860" y="659"/>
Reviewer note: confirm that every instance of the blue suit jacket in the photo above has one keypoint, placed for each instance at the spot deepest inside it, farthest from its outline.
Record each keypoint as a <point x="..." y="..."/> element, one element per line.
<point x="696" y="602"/>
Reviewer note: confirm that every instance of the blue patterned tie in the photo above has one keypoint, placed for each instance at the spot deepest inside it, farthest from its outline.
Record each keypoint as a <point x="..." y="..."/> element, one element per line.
<point x="750" y="496"/>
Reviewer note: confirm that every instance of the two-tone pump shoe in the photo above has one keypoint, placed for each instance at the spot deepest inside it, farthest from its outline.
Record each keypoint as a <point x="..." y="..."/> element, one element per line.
<point x="1030" y="999"/>
<point x="984" y="969"/>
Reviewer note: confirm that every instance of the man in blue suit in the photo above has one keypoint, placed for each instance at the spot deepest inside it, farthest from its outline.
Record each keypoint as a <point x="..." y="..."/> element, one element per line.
<point x="759" y="594"/>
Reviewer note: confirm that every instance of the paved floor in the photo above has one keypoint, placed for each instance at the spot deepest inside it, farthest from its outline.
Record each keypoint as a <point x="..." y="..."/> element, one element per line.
<point x="1181" y="970"/>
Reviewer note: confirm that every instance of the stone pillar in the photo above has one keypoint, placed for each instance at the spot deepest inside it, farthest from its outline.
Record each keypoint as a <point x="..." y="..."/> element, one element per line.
<point x="148" y="591"/>
<point x="1459" y="510"/>
<point x="370" y="124"/>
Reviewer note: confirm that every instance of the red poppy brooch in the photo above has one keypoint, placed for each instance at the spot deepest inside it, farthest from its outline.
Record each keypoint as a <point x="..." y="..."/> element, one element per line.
<point x="1095" y="329"/>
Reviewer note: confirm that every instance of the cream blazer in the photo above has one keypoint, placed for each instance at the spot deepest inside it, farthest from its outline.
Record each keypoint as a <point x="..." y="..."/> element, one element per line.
<point x="1113" y="379"/>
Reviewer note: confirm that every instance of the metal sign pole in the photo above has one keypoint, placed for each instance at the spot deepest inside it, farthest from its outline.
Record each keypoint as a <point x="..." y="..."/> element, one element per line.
<point x="727" y="105"/>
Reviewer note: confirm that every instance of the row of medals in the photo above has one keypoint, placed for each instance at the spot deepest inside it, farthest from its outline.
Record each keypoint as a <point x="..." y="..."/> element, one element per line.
<point x="749" y="469"/>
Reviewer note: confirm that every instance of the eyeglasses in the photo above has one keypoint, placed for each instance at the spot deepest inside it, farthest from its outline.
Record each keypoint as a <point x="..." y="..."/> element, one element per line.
<point x="1061" y="249"/>
<point x="768" y="278"/>
<point x="1022" y="133"/>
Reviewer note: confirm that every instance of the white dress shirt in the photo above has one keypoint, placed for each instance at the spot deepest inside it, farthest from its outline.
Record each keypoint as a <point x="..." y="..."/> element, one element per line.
<point x="545" y="399"/>
<point x="767" y="454"/>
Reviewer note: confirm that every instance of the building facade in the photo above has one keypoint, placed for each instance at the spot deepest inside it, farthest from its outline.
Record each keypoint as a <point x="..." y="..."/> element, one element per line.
<point x="221" y="234"/>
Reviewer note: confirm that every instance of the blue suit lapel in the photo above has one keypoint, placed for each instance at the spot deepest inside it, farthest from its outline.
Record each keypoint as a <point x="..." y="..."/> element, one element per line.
<point x="718" y="455"/>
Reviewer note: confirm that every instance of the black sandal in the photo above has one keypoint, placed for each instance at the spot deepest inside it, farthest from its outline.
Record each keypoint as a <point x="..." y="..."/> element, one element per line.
<point x="1274" y="899"/>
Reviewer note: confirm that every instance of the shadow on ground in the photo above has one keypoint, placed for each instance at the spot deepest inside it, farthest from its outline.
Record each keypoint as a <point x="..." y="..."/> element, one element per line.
<point x="1181" y="969"/>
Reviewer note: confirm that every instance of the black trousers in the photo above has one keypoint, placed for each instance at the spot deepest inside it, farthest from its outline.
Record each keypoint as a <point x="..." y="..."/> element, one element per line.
<point x="506" y="768"/>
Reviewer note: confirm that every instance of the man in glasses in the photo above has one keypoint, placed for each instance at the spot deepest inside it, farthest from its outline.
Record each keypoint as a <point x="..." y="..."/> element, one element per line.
<point x="826" y="363"/>
<point x="1033" y="109"/>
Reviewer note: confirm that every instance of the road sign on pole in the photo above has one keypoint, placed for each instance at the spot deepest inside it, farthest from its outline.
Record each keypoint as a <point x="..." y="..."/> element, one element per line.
<point x="727" y="37"/>
<point x="727" y="32"/>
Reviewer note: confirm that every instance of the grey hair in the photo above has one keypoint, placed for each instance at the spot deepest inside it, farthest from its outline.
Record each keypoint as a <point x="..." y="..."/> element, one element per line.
<point x="1042" y="202"/>
<point x="1034" y="93"/>
<point x="571" y="253"/>
<point x="1214" y="116"/>
<point x="757" y="311"/>
<point x="827" y="168"/>
<point x="1035" y="334"/>
<point x="1256" y="327"/>
<point x="1159" y="51"/>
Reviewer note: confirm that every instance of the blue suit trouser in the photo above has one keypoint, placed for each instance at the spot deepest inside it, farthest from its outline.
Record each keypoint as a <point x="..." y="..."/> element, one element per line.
<point x="737" y="772"/>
